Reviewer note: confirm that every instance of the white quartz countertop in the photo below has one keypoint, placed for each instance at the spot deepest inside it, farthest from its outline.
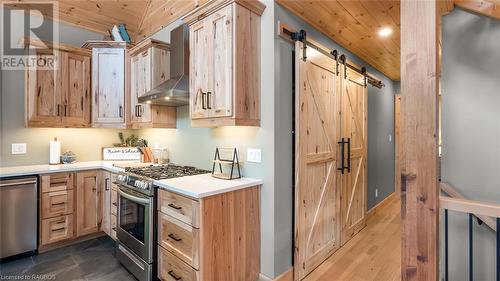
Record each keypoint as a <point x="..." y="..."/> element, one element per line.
<point x="204" y="185"/>
<point x="47" y="169"/>
<point x="198" y="186"/>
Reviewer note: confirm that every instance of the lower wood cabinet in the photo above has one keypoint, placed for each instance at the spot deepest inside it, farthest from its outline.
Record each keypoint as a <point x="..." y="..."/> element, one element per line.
<point x="56" y="229"/>
<point x="89" y="203"/>
<point x="57" y="203"/>
<point x="210" y="239"/>
<point x="171" y="268"/>
<point x="71" y="206"/>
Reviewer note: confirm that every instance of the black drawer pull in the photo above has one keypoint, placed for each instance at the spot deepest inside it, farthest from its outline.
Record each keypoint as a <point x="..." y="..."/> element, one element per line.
<point x="172" y="273"/>
<point x="177" y="239"/>
<point x="57" y="204"/>
<point x="114" y="228"/>
<point x="58" y="229"/>
<point x="114" y="204"/>
<point x="173" y="206"/>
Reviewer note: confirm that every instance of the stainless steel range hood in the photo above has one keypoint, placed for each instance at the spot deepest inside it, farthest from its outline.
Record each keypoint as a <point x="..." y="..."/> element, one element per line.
<point x="175" y="91"/>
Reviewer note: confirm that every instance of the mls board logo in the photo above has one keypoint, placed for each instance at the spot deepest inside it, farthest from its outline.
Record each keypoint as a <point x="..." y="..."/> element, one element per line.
<point x="29" y="35"/>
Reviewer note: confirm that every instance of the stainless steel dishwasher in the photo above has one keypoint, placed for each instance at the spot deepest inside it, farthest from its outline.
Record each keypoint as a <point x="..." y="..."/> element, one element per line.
<point x="18" y="216"/>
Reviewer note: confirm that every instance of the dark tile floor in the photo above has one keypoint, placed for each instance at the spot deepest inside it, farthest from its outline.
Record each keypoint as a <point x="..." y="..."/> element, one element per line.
<point x="89" y="260"/>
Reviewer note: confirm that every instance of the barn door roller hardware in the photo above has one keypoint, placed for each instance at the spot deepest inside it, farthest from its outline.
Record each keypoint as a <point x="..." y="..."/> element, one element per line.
<point x="302" y="37"/>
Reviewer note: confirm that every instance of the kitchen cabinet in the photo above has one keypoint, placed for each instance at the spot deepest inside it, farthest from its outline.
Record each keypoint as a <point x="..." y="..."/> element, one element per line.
<point x="213" y="238"/>
<point x="109" y="70"/>
<point x="106" y="202"/>
<point x="88" y="202"/>
<point x="56" y="208"/>
<point x="225" y="63"/>
<point x="58" y="96"/>
<point x="149" y="67"/>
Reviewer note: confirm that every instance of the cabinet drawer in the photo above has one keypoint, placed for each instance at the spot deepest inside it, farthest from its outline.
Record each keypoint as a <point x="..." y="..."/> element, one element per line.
<point x="57" y="182"/>
<point x="57" y="203"/>
<point x="179" y="238"/>
<point x="114" y="202"/>
<point x="170" y="268"/>
<point x="57" y="229"/>
<point x="180" y="207"/>
<point x="113" y="226"/>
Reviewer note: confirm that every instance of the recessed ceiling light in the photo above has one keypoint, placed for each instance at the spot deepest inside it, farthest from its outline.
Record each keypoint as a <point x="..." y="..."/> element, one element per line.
<point x="385" y="31"/>
<point x="148" y="102"/>
<point x="167" y="98"/>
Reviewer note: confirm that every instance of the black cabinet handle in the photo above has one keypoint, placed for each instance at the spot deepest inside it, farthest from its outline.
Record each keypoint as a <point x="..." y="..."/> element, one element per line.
<point x="120" y="111"/>
<point x="203" y="96"/>
<point x="208" y="100"/>
<point x="175" y="238"/>
<point x="349" y="155"/>
<point x="141" y="110"/>
<point x="173" y="206"/>
<point x="106" y="184"/>
<point x="172" y="273"/>
<point x="65" y="110"/>
<point x="342" y="157"/>
<point x="58" y="110"/>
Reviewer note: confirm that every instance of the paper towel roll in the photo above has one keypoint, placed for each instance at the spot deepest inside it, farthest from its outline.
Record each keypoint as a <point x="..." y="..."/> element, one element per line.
<point x="55" y="152"/>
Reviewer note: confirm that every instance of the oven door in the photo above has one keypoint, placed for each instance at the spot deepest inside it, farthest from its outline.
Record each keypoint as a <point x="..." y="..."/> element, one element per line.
<point x="135" y="222"/>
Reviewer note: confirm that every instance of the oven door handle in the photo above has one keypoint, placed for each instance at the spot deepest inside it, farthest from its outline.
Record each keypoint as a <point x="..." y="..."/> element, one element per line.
<point x="136" y="199"/>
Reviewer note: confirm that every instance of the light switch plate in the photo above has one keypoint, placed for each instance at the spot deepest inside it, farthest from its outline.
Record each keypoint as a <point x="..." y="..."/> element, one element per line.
<point x="18" y="148"/>
<point x="254" y="155"/>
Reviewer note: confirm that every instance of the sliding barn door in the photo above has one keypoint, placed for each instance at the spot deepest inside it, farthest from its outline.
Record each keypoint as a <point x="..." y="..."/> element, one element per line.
<point x="317" y="231"/>
<point x="354" y="131"/>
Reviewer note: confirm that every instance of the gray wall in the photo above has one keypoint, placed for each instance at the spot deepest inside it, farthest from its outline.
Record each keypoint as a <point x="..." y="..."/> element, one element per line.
<point x="471" y="130"/>
<point x="380" y="124"/>
<point x="86" y="143"/>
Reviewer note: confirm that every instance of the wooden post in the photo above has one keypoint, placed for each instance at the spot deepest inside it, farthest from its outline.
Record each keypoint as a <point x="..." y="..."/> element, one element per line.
<point x="419" y="180"/>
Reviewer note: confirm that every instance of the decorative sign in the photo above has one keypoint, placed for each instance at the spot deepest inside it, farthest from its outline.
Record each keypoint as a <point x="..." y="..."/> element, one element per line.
<point x="121" y="153"/>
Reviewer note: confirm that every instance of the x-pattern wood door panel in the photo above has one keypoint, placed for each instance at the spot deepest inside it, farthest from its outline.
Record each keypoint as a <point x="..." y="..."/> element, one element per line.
<point x="354" y="182"/>
<point x="317" y="234"/>
<point x="330" y="202"/>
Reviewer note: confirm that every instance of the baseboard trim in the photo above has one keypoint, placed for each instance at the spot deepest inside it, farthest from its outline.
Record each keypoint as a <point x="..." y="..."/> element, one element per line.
<point x="285" y="276"/>
<point x="381" y="205"/>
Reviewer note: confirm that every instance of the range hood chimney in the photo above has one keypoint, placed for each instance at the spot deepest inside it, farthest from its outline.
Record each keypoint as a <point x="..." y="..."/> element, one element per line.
<point x="175" y="91"/>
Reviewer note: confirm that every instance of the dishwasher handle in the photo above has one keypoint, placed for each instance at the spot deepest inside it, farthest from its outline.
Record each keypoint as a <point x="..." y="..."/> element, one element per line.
<point x="16" y="182"/>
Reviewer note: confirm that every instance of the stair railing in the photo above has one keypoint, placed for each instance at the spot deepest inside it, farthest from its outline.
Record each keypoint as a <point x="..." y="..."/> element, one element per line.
<point x="485" y="212"/>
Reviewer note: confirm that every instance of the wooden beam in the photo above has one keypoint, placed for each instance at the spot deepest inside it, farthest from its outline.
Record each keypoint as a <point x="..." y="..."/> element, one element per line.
<point x="419" y="180"/>
<point x="486" y="8"/>
<point x="452" y="192"/>
<point x="470" y="207"/>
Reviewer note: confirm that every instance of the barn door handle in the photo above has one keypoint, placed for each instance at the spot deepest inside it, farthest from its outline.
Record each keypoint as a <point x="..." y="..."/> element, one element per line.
<point x="349" y="155"/>
<point x="342" y="151"/>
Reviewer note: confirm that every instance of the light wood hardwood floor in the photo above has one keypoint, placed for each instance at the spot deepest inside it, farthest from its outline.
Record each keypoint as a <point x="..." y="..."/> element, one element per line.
<point x="372" y="255"/>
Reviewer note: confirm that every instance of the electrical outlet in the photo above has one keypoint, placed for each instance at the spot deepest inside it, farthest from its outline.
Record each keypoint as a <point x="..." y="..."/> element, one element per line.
<point x="18" y="148"/>
<point x="254" y="155"/>
<point x="376" y="192"/>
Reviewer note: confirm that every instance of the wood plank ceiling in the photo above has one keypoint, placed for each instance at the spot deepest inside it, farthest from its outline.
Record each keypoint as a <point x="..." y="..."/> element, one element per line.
<point x="141" y="17"/>
<point x="355" y="25"/>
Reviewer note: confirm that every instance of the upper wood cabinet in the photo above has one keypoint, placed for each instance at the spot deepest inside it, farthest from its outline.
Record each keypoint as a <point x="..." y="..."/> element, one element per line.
<point x="225" y="63"/>
<point x="108" y="83"/>
<point x="58" y="96"/>
<point x="149" y="67"/>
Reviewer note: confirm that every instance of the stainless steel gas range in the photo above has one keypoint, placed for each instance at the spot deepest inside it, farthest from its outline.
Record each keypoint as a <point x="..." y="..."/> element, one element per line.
<point x="136" y="228"/>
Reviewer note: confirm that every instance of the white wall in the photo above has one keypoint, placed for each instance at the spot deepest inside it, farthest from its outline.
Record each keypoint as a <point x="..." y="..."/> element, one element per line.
<point x="471" y="131"/>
